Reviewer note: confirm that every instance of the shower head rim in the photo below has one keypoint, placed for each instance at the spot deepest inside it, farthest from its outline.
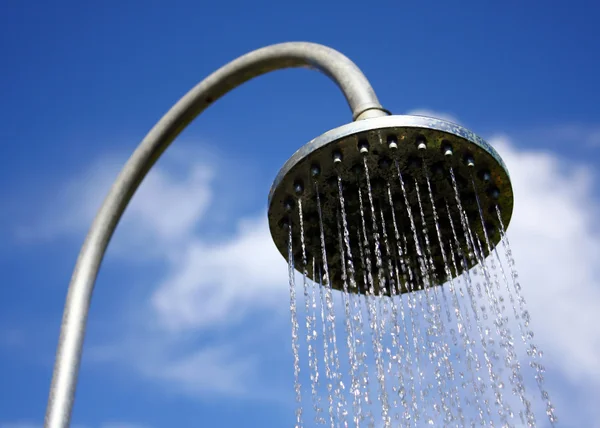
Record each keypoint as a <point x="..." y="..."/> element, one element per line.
<point x="378" y="123"/>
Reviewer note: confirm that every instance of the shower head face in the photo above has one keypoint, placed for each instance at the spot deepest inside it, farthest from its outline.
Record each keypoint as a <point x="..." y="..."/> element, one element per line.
<point x="386" y="165"/>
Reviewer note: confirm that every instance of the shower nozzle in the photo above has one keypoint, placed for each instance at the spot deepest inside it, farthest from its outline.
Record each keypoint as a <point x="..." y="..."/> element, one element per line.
<point x="389" y="198"/>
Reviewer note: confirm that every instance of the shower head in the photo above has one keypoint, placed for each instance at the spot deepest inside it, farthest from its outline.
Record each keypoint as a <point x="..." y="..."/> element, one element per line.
<point x="399" y="199"/>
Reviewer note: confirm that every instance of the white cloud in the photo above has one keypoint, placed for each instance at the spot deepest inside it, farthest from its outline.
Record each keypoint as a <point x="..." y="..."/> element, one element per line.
<point x="166" y="207"/>
<point x="161" y="222"/>
<point x="205" y="368"/>
<point x="205" y="284"/>
<point x="557" y="246"/>
<point x="215" y="283"/>
<point x="209" y="371"/>
<point x="71" y="207"/>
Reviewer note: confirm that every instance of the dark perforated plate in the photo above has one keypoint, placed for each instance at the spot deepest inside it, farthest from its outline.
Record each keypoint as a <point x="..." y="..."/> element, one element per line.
<point x="492" y="185"/>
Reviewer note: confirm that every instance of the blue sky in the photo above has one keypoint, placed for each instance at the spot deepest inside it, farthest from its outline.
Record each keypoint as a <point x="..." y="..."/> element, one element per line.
<point x="179" y="335"/>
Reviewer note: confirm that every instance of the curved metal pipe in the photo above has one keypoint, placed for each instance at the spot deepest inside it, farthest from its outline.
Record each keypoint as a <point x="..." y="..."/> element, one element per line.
<point x="362" y="101"/>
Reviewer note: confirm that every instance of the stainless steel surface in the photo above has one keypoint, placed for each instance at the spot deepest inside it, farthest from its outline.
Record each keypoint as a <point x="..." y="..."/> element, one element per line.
<point x="410" y="140"/>
<point x="360" y="97"/>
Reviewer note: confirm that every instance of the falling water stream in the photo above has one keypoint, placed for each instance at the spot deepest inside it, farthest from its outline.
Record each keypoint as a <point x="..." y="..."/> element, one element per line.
<point x="422" y="329"/>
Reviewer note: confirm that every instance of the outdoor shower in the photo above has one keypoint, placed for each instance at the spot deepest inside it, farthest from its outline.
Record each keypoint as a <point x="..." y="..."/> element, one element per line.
<point x="398" y="219"/>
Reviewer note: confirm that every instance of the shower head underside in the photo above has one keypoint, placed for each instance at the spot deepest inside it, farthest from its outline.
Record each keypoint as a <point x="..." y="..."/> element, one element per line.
<point x="399" y="151"/>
